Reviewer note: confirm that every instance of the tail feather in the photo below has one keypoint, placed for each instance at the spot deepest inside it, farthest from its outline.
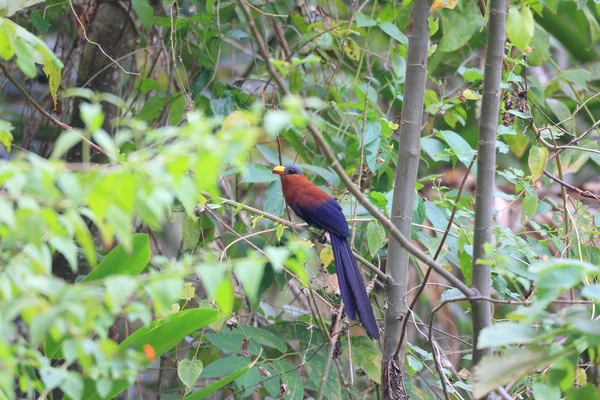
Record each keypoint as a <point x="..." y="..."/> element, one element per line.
<point x="352" y="287"/>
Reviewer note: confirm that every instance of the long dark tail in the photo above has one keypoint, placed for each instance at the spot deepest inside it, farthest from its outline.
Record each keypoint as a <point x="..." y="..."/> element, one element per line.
<point x="352" y="287"/>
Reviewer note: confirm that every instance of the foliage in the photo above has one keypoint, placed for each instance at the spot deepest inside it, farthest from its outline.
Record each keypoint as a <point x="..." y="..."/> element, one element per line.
<point x="182" y="261"/>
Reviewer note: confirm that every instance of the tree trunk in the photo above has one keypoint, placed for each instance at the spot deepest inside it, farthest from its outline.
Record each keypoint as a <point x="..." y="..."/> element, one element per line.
<point x="402" y="203"/>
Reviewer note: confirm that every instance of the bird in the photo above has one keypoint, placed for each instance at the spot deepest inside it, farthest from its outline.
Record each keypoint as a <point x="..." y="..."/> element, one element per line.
<point x="322" y="211"/>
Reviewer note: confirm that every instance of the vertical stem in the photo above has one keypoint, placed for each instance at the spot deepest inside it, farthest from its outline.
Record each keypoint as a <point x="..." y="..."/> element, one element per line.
<point x="404" y="191"/>
<point x="486" y="168"/>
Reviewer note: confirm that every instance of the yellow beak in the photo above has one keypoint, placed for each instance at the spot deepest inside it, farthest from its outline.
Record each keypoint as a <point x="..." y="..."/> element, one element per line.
<point x="279" y="170"/>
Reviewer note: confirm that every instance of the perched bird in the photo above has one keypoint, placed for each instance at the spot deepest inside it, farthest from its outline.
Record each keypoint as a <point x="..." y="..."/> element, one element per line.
<point x="319" y="209"/>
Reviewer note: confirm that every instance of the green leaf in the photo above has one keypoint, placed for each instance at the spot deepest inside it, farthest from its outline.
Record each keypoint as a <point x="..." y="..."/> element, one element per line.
<point x="538" y="157"/>
<point x="520" y="26"/>
<point x="459" y="26"/>
<point x="65" y="142"/>
<point x="24" y="59"/>
<point x="392" y="31"/>
<point x="459" y="146"/>
<point x="314" y="369"/>
<point x="144" y="11"/>
<point x="250" y="272"/>
<point x="375" y="237"/>
<point x="434" y="149"/>
<point x="362" y="21"/>
<point x="178" y="107"/>
<point x="39" y="22"/>
<point x="162" y="335"/>
<point x="189" y="371"/>
<point x="558" y="275"/>
<point x="588" y="392"/>
<point x="275" y="121"/>
<point x="504" y="333"/>
<point x="530" y="203"/>
<point x="224" y="297"/>
<point x="591" y="292"/>
<point x="6" y="138"/>
<point x="562" y="113"/>
<point x="367" y="356"/>
<point x="213" y="387"/>
<point x="153" y="107"/>
<point x="494" y="371"/>
<point x="541" y="391"/>
<point x="224" y="366"/>
<point x="541" y="47"/>
<point x="119" y="262"/>
<point x="413" y="364"/>
<point x="272" y="156"/>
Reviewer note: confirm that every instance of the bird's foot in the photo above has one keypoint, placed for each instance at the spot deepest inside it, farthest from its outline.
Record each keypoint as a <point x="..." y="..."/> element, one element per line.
<point x="319" y="236"/>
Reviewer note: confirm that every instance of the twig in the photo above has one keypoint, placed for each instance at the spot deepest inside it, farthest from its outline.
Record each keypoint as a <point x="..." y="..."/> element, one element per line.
<point x="583" y="193"/>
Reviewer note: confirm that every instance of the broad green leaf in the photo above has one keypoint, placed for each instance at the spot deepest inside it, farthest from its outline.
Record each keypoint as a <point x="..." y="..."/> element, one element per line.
<point x="119" y="262"/>
<point x="392" y="31"/>
<point x="189" y="371"/>
<point x="530" y="203"/>
<point x="459" y="26"/>
<point x="504" y="333"/>
<point x="10" y="7"/>
<point x="494" y="371"/>
<point x="591" y="292"/>
<point x="542" y="391"/>
<point x="413" y="364"/>
<point x="224" y="366"/>
<point x="24" y="59"/>
<point x="538" y="157"/>
<point x="375" y="237"/>
<point x="65" y="142"/>
<point x="367" y="356"/>
<point x="540" y="45"/>
<point x="520" y="26"/>
<point x="362" y="21"/>
<point x="153" y="107"/>
<point x="213" y="387"/>
<point x="434" y="149"/>
<point x="250" y="271"/>
<point x="562" y="114"/>
<point x="6" y="137"/>
<point x="144" y="11"/>
<point x="272" y="156"/>
<point x="162" y="335"/>
<point x="314" y="369"/>
<point x="459" y="146"/>
<point x="224" y="297"/>
<point x="588" y="392"/>
<point x="275" y="121"/>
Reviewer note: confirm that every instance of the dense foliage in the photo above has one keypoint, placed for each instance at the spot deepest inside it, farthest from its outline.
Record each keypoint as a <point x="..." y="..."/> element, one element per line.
<point x="145" y="246"/>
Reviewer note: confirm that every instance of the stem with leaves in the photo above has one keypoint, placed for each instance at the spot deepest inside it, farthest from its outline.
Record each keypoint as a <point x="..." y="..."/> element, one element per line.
<point x="486" y="169"/>
<point x="404" y="184"/>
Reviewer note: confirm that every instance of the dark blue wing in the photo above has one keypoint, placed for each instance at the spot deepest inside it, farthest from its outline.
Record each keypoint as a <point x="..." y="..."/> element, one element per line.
<point x="328" y="215"/>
